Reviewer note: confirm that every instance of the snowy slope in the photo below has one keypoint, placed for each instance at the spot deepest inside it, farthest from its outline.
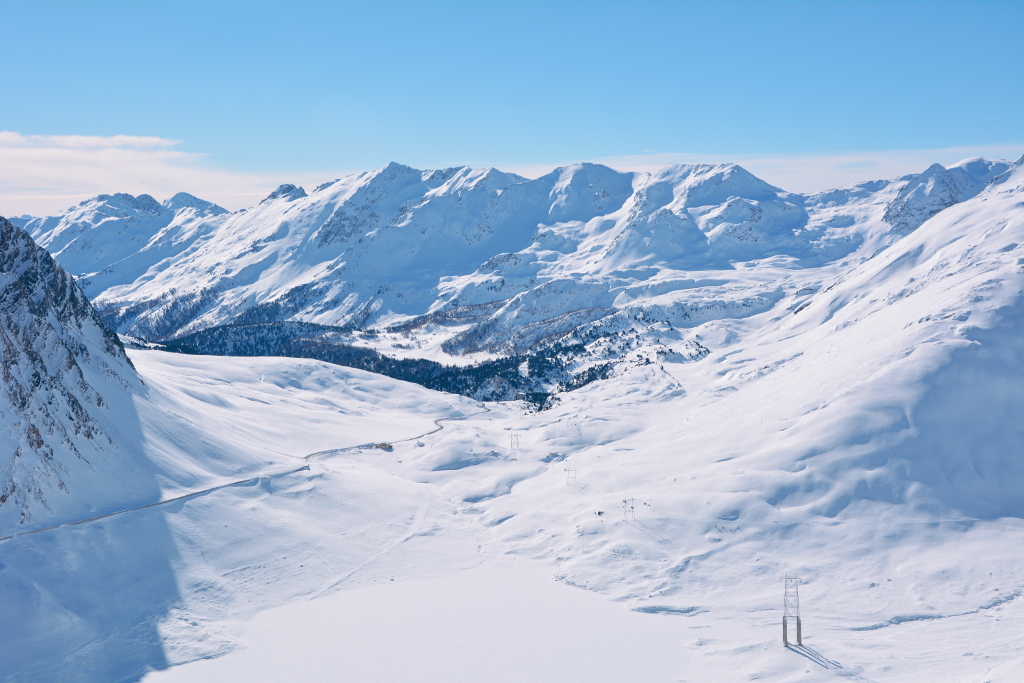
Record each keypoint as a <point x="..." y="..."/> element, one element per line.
<point x="855" y="422"/>
<point x="113" y="239"/>
<point x="111" y="598"/>
<point x="62" y="372"/>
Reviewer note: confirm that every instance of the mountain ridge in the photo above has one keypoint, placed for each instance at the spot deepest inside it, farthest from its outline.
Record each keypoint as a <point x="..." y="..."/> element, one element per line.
<point x="60" y="367"/>
<point x="478" y="264"/>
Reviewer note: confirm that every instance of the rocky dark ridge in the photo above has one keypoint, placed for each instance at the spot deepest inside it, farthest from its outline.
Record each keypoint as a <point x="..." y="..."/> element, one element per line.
<point x="52" y="347"/>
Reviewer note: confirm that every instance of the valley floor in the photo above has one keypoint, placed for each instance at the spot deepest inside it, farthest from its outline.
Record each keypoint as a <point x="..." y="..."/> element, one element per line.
<point x="458" y="552"/>
<point x="507" y="621"/>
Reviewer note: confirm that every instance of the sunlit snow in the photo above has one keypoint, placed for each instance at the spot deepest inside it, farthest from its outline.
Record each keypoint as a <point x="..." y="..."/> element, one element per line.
<point x="857" y="421"/>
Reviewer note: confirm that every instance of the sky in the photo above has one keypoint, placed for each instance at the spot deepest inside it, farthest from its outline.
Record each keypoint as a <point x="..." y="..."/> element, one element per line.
<point x="228" y="99"/>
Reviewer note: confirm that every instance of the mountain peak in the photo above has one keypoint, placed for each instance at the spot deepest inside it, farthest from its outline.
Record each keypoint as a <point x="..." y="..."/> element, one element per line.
<point x="285" y="191"/>
<point x="706" y="184"/>
<point x="125" y="201"/>
<point x="184" y="200"/>
<point x="396" y="170"/>
<point x="934" y="169"/>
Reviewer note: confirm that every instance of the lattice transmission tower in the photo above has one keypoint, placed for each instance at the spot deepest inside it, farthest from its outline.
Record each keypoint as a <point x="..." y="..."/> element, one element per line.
<point x="570" y="476"/>
<point x="629" y="509"/>
<point x="791" y="609"/>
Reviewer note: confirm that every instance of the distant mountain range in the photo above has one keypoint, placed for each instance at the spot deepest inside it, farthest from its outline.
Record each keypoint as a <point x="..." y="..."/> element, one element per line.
<point x="463" y="266"/>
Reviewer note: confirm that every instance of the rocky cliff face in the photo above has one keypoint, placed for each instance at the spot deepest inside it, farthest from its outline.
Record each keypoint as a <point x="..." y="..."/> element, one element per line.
<point x="58" y="363"/>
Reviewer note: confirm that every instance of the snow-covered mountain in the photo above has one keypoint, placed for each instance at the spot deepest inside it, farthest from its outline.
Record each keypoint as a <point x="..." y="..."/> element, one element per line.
<point x="838" y="396"/>
<point x="462" y="265"/>
<point x="389" y="247"/>
<point x="61" y="369"/>
<point x="939" y="188"/>
<point x="21" y="221"/>
<point x="114" y="237"/>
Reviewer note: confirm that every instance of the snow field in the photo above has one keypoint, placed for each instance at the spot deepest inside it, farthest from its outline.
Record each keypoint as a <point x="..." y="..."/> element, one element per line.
<point x="856" y="423"/>
<point x="102" y="601"/>
<point x="509" y="622"/>
<point x="193" y="579"/>
<point x="277" y="412"/>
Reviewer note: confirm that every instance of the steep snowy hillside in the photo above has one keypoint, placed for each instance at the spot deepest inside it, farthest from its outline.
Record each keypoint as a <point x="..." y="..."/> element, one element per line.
<point x="82" y="434"/>
<point x="61" y="370"/>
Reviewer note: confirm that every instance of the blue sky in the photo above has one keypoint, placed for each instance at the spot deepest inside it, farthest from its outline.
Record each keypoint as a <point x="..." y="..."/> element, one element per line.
<point x="271" y="88"/>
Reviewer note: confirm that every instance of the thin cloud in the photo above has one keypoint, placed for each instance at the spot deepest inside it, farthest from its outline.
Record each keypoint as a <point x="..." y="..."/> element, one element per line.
<point x="44" y="174"/>
<point x="9" y="139"/>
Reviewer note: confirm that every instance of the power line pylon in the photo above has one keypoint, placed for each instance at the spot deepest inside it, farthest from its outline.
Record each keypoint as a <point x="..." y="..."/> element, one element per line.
<point x="791" y="609"/>
<point x="514" y="442"/>
<point x="628" y="509"/>
<point x="570" y="476"/>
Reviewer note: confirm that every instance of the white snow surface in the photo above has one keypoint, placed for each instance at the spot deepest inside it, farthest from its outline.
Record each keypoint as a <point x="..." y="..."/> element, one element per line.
<point x="860" y="427"/>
